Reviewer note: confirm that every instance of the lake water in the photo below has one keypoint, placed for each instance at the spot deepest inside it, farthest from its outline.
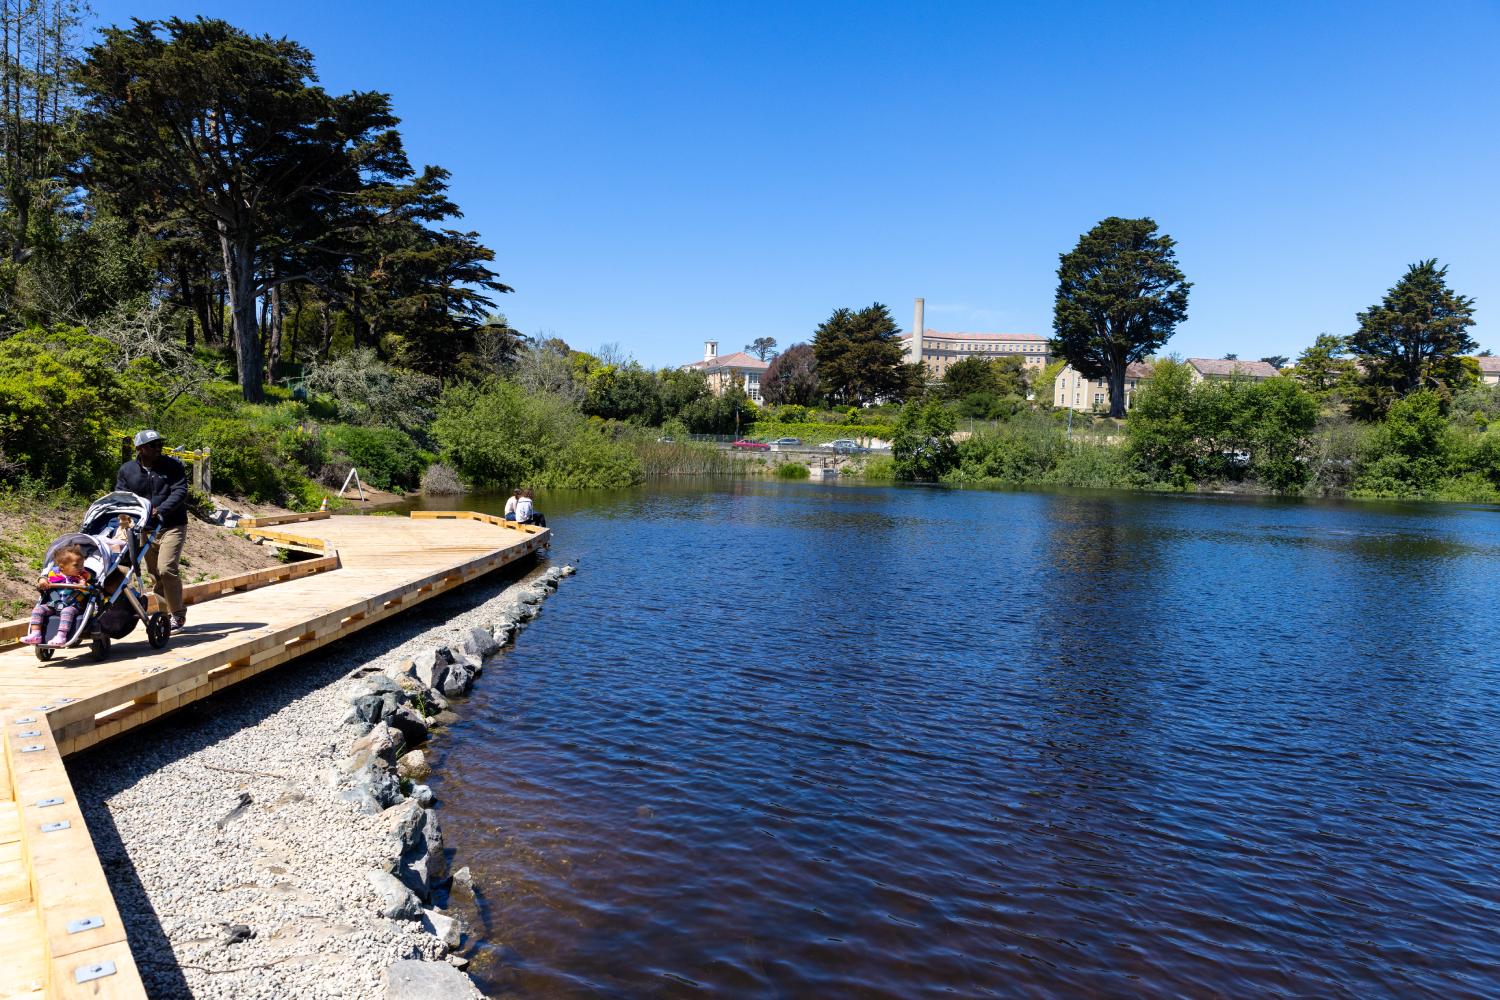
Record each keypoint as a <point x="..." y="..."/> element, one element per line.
<point x="794" y="740"/>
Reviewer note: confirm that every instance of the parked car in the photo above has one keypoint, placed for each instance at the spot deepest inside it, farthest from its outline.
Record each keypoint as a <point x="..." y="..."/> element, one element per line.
<point x="845" y="446"/>
<point x="748" y="445"/>
<point x="664" y="439"/>
<point x="787" y="441"/>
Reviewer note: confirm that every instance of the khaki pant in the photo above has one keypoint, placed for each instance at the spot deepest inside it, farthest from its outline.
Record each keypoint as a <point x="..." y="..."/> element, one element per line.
<point x="163" y="562"/>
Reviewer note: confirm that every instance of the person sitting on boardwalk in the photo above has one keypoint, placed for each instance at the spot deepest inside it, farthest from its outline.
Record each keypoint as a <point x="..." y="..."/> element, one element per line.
<point x="526" y="512"/>
<point x="510" y="505"/>
<point x="62" y="591"/>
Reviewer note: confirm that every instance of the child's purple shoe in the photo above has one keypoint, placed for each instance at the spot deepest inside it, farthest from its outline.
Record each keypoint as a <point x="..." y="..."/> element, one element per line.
<point x="34" y="639"/>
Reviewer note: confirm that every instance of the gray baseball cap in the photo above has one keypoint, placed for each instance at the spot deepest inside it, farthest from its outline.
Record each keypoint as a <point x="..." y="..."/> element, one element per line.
<point x="146" y="437"/>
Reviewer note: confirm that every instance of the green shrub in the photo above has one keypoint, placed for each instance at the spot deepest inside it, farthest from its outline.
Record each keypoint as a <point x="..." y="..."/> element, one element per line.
<point x="879" y="468"/>
<point x="385" y="457"/>
<point x="812" y="433"/>
<point x="500" y="436"/>
<point x="248" y="463"/>
<point x="61" y="402"/>
<point x="791" y="470"/>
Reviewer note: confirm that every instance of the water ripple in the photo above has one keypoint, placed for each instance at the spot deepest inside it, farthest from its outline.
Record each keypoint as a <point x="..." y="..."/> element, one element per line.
<point x="789" y="740"/>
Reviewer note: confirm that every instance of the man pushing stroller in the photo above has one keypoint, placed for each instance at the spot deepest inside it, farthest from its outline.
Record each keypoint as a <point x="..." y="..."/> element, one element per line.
<point x="162" y="480"/>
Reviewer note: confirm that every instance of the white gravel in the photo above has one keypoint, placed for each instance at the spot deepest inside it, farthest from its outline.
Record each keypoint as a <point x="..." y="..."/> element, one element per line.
<point x="293" y="864"/>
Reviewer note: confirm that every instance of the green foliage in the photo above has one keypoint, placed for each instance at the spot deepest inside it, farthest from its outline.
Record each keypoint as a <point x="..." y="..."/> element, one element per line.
<point x="1180" y="432"/>
<point x="683" y="458"/>
<point x="811" y="433"/>
<point x="730" y="413"/>
<point x="859" y="356"/>
<point x="1414" y="338"/>
<point x="792" y="470"/>
<point x="385" y="457"/>
<point x="60" y="402"/>
<point x="922" y="445"/>
<point x="257" y="462"/>
<point x="499" y="436"/>
<point x="1321" y="369"/>
<point x="1412" y="452"/>
<point x="879" y="468"/>
<point x="1120" y="295"/>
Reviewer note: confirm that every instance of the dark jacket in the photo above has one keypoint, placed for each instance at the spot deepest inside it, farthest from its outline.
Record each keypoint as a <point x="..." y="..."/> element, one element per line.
<point x="165" y="485"/>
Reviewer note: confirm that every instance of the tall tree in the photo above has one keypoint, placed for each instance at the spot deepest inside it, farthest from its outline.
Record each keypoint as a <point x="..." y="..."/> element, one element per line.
<point x="762" y="347"/>
<point x="1416" y="335"/>
<point x="37" y="44"/>
<point x="792" y="377"/>
<point x="860" y="356"/>
<point x="233" y="130"/>
<point x="1120" y="295"/>
<point x="1321" y="368"/>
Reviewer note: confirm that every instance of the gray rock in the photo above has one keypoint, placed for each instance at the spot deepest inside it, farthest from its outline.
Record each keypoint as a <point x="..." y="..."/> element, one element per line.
<point x="403" y="824"/>
<point x="457" y="961"/>
<point x="397" y="902"/>
<point x="443" y="927"/>
<point x="413" y="980"/>
<point x="380" y="683"/>
<point x="381" y="741"/>
<point x="378" y="781"/>
<point x="367" y="707"/>
<point x="503" y="631"/>
<point x="437" y="858"/>
<point x="430" y="665"/>
<point x="401" y="669"/>
<point x="568" y="571"/>
<point x="477" y="642"/>
<point x="423" y="795"/>
<point x="458" y="680"/>
<point x="411" y="725"/>
<point x="413" y="765"/>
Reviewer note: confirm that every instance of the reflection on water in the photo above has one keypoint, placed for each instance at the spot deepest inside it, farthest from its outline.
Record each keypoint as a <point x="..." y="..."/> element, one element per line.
<point x="800" y="740"/>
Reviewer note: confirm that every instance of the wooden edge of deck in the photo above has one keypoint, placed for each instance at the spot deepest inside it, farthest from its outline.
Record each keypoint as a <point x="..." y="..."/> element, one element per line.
<point x="12" y="631"/>
<point x="268" y="520"/>
<point x="474" y="515"/>
<point x="80" y="929"/>
<point x="119" y="707"/>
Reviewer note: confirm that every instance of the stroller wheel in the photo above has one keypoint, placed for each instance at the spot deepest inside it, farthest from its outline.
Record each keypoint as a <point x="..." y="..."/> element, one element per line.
<point x="100" y="646"/>
<point x="158" y="629"/>
<point x="43" y="653"/>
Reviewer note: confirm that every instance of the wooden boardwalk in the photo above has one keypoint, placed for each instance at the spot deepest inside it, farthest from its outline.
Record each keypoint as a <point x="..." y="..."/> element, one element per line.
<point x="60" y="933"/>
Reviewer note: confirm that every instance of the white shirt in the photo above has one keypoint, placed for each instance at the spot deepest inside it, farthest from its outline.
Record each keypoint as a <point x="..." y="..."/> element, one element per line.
<point x="510" y="505"/>
<point x="523" y="510"/>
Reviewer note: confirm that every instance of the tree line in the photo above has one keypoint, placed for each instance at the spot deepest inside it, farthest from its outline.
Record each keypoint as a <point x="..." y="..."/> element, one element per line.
<point x="193" y="170"/>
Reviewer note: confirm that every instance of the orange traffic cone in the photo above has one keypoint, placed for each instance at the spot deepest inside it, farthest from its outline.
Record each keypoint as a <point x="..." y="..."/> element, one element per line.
<point x="324" y="505"/>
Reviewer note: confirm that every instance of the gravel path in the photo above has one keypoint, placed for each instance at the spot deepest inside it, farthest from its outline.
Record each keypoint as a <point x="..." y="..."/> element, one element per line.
<point x="193" y="868"/>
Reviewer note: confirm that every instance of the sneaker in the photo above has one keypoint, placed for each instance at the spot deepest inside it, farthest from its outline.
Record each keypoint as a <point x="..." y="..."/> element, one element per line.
<point x="178" y="620"/>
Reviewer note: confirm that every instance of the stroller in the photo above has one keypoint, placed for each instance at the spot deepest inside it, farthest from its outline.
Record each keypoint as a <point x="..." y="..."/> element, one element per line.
<point x="114" y="600"/>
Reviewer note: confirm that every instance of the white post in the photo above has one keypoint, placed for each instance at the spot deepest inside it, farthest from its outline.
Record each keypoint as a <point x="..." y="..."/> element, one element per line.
<point x="918" y="327"/>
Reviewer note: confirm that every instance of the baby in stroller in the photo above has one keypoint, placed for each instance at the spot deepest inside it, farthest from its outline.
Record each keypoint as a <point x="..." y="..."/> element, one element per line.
<point x="63" y="586"/>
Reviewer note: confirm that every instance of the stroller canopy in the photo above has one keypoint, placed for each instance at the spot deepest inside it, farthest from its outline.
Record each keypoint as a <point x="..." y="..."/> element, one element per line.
<point x="112" y="505"/>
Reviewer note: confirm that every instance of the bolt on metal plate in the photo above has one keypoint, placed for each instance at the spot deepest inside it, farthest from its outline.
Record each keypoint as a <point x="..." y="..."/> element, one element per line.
<point x="66" y="701"/>
<point x="44" y="803"/>
<point x="43" y="708"/>
<point x="89" y="973"/>
<point x="33" y="748"/>
<point x="26" y="721"/>
<point x="29" y="732"/>
<point x="84" y="924"/>
<point x="61" y="824"/>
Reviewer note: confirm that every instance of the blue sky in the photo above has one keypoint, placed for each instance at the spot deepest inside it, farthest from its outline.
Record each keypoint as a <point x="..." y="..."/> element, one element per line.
<point x="655" y="175"/>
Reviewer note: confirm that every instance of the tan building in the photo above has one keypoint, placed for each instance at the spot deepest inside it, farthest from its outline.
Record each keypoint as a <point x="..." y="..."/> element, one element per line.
<point x="938" y="350"/>
<point x="1074" y="391"/>
<point x="738" y="368"/>
<point x="1489" y="370"/>
<point x="1208" y="369"/>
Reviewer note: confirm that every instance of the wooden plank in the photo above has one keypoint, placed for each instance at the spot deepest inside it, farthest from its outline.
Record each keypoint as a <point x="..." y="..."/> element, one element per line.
<point x="270" y="519"/>
<point x="23" y="953"/>
<point x="123" y="984"/>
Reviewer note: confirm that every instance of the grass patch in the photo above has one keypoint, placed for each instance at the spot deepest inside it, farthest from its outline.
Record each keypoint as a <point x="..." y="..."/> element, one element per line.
<point x="791" y="470"/>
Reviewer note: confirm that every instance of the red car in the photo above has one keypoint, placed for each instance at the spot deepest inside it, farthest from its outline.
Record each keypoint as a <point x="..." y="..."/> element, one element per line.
<point x="751" y="445"/>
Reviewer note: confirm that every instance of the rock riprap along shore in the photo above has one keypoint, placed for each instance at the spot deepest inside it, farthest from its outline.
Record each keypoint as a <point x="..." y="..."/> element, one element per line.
<point x="263" y="847"/>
